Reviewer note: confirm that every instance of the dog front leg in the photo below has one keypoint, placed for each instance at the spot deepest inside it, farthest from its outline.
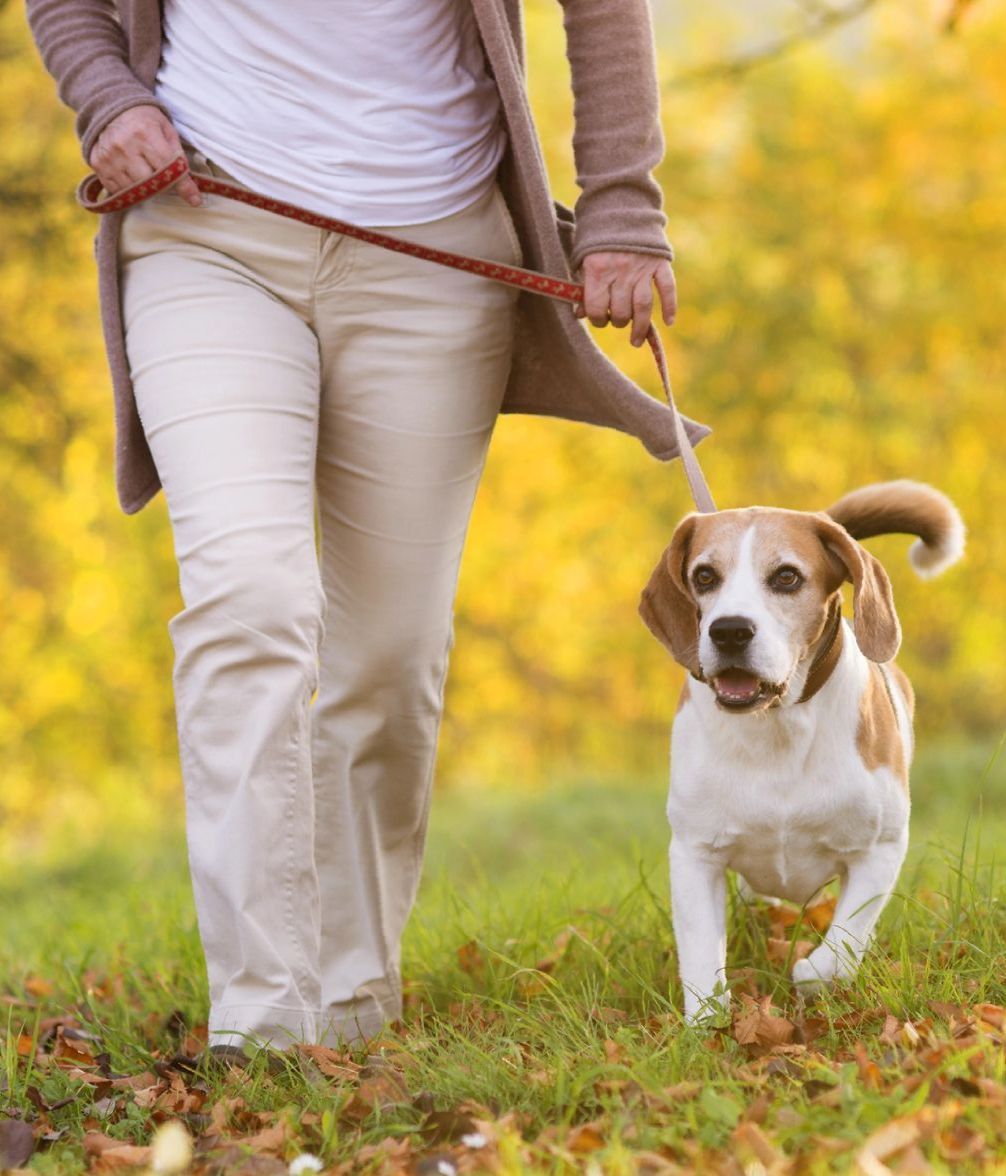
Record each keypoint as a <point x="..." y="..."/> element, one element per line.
<point x="868" y="885"/>
<point x="698" y="908"/>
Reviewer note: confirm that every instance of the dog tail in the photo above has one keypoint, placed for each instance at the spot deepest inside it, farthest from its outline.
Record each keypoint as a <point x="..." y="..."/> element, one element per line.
<point x="906" y="507"/>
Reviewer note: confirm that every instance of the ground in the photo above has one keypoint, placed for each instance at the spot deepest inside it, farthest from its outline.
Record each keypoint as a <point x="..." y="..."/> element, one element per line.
<point x="543" y="1028"/>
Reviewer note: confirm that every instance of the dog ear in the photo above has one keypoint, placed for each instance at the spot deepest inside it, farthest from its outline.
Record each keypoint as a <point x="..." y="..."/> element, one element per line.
<point x="666" y="605"/>
<point x="875" y="621"/>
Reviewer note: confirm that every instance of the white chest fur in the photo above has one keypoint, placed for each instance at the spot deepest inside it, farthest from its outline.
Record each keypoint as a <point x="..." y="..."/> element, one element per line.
<point x="784" y="797"/>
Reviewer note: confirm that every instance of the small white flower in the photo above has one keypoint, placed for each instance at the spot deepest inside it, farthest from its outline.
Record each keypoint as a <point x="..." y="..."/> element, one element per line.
<point x="172" y="1149"/>
<point x="305" y="1163"/>
<point x="475" y="1140"/>
<point x="446" y="1168"/>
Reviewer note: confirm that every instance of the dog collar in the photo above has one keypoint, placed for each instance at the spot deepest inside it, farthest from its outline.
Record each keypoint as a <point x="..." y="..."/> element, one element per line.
<point x="825" y="662"/>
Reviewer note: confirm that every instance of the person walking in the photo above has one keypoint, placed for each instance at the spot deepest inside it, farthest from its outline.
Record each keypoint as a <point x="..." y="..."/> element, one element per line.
<point x="317" y="411"/>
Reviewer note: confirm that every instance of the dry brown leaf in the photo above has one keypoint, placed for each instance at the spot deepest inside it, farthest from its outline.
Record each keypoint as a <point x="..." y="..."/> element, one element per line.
<point x="530" y="984"/>
<point x="613" y="1051"/>
<point x="650" y="1163"/>
<point x="989" y="1014"/>
<point x="96" y="1142"/>
<point x="585" y="1139"/>
<point x="38" y="986"/>
<point x="820" y="915"/>
<point x="869" y="1071"/>
<point x="72" y="1052"/>
<point x="331" y="1062"/>
<point x="136" y="1081"/>
<point x="269" y="1139"/>
<point x="391" y="1156"/>
<point x="682" y="1091"/>
<point x="778" y="950"/>
<point x="379" y="1089"/>
<point x="234" y="1160"/>
<point x="960" y="1142"/>
<point x="749" y="1137"/>
<point x="195" y="1041"/>
<point x="124" y="1156"/>
<point x="608" y="1015"/>
<point x="471" y="960"/>
<point x="889" y="1033"/>
<point x="231" y="1114"/>
<point x="912" y="1162"/>
<point x="756" y="1024"/>
<point x="16" y="1142"/>
<point x="897" y="1135"/>
<point x="559" y="947"/>
<point x="149" y="1094"/>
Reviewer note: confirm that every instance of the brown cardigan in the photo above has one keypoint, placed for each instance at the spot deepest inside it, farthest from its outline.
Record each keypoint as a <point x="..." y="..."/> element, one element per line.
<point x="104" y="55"/>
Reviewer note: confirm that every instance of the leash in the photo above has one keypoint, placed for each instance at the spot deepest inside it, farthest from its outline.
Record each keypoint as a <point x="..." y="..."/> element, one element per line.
<point x="89" y="192"/>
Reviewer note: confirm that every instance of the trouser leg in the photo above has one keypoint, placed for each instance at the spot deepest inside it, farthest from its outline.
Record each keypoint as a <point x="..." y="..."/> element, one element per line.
<point x="226" y="375"/>
<point x="414" y="365"/>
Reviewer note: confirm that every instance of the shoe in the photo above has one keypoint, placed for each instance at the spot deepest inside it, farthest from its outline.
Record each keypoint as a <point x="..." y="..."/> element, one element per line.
<point x="224" y="1056"/>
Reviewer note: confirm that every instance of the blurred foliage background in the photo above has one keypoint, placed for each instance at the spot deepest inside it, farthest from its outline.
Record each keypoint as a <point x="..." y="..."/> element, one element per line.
<point x="838" y="213"/>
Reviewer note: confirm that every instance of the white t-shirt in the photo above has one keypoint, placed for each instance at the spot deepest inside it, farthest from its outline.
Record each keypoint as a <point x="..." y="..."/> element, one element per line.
<point x="380" y="112"/>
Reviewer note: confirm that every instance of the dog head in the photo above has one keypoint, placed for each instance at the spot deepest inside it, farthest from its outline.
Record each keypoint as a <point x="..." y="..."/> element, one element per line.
<point x="742" y="598"/>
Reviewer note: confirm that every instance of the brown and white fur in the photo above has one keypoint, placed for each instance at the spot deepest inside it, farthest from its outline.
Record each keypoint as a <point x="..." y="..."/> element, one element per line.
<point x="791" y="748"/>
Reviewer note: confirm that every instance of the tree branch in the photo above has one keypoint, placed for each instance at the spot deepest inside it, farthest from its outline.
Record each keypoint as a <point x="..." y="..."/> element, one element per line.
<point x="822" y="19"/>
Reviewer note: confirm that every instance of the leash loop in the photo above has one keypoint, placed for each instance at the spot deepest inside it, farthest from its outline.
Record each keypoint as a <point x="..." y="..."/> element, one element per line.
<point x="89" y="196"/>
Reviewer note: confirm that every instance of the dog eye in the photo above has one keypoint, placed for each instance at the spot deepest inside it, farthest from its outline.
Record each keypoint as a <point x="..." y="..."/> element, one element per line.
<point x="704" y="578"/>
<point x="786" y="579"/>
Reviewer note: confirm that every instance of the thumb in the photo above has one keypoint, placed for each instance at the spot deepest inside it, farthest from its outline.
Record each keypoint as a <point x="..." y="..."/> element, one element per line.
<point x="186" y="186"/>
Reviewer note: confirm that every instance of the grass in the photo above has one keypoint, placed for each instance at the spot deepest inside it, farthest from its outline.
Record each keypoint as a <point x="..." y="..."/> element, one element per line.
<point x="542" y="987"/>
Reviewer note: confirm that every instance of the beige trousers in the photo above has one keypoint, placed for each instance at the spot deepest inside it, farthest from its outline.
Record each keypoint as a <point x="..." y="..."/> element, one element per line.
<point x="281" y="370"/>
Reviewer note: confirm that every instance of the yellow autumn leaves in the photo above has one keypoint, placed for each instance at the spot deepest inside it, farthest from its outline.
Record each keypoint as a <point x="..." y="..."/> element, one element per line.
<point x="839" y="221"/>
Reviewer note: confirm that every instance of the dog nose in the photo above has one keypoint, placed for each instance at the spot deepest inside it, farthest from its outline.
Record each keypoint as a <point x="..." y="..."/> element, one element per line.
<point x="732" y="634"/>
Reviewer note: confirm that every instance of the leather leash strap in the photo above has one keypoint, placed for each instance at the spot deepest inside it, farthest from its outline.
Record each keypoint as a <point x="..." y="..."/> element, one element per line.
<point x="89" y="196"/>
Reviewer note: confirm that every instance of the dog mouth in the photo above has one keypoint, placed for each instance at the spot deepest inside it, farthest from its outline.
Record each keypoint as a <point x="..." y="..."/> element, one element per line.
<point x="741" y="690"/>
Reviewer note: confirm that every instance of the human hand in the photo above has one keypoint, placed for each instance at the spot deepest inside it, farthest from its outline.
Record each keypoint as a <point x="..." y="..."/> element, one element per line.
<point x="133" y="146"/>
<point x="619" y="287"/>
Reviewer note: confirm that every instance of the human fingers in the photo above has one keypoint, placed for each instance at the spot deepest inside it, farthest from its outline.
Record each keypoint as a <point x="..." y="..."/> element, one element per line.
<point x="597" y="279"/>
<point x="668" y="290"/>
<point x="621" y="295"/>
<point x="186" y="186"/>
<point x="134" y="145"/>
<point x="642" y="310"/>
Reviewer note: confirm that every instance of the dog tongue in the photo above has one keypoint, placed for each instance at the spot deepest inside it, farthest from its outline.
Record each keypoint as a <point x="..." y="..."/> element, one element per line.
<point x="736" y="686"/>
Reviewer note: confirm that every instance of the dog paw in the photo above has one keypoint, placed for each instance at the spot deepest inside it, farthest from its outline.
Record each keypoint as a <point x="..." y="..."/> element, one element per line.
<point x="706" y="1012"/>
<point x="810" y="975"/>
<point x="823" y="967"/>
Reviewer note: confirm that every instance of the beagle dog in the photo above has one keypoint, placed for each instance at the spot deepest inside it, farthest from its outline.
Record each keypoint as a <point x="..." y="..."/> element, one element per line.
<point x="792" y="740"/>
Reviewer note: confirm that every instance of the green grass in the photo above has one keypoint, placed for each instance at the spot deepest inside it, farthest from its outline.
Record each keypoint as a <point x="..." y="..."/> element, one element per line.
<point x="575" y="879"/>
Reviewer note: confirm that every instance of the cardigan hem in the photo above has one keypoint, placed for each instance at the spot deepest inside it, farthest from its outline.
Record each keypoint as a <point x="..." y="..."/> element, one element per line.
<point x="136" y="502"/>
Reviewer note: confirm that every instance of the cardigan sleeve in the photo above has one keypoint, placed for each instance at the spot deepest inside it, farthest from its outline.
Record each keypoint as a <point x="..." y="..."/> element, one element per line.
<point x="617" y="137"/>
<point x="83" y="46"/>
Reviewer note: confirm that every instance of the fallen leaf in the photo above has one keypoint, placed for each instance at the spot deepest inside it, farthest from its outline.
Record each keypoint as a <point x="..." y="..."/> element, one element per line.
<point x="471" y="959"/>
<point x="869" y="1071"/>
<point x="750" y="1137"/>
<point x="757" y="1025"/>
<point x="270" y="1139"/>
<point x="778" y="950"/>
<point x="960" y="1142"/>
<point x="585" y="1139"/>
<point x="16" y="1142"/>
<point x="559" y="947"/>
<point x="331" y="1062"/>
<point x="896" y="1135"/>
<point x="124" y="1156"/>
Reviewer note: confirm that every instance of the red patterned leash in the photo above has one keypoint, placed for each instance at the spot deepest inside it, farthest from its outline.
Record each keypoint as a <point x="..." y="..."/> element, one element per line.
<point x="89" y="192"/>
